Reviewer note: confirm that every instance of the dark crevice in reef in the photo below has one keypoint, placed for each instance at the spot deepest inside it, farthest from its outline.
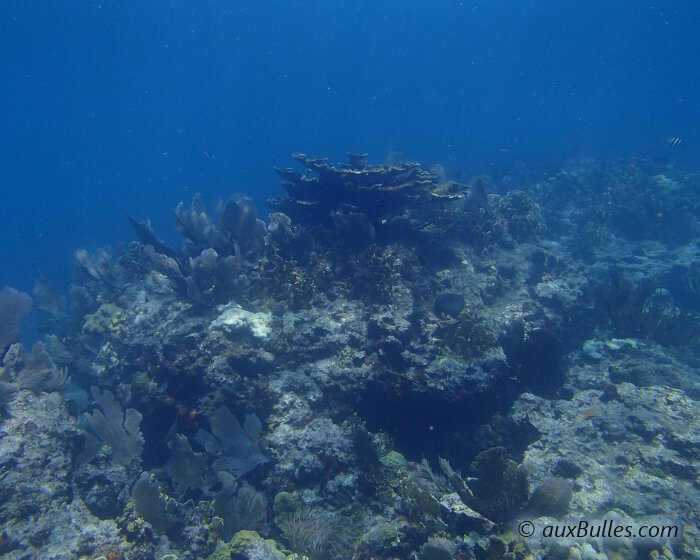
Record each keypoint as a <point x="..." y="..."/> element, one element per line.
<point x="158" y="421"/>
<point x="175" y="413"/>
<point x="536" y="358"/>
<point x="424" y="424"/>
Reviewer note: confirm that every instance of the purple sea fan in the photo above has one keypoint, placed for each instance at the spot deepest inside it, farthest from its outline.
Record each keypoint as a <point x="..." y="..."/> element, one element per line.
<point x="14" y="307"/>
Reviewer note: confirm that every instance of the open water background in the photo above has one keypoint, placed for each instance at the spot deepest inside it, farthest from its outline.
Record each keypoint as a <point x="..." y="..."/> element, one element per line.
<point x="107" y="107"/>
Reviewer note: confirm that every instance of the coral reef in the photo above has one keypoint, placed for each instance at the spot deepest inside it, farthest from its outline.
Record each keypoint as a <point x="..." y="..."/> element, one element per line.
<point x="394" y="365"/>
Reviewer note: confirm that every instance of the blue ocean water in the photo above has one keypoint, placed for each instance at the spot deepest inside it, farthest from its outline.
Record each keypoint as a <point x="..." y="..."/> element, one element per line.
<point x="398" y="359"/>
<point x="107" y="107"/>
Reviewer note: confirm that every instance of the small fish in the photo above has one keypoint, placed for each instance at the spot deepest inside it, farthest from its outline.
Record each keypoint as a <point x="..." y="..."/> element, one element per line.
<point x="587" y="414"/>
<point x="675" y="141"/>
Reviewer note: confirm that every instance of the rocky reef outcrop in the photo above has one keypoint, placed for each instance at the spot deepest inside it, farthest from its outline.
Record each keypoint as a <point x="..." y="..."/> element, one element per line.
<point x="391" y="365"/>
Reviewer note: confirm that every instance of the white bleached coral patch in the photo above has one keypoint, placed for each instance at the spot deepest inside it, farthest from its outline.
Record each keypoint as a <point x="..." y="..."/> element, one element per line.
<point x="234" y="318"/>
